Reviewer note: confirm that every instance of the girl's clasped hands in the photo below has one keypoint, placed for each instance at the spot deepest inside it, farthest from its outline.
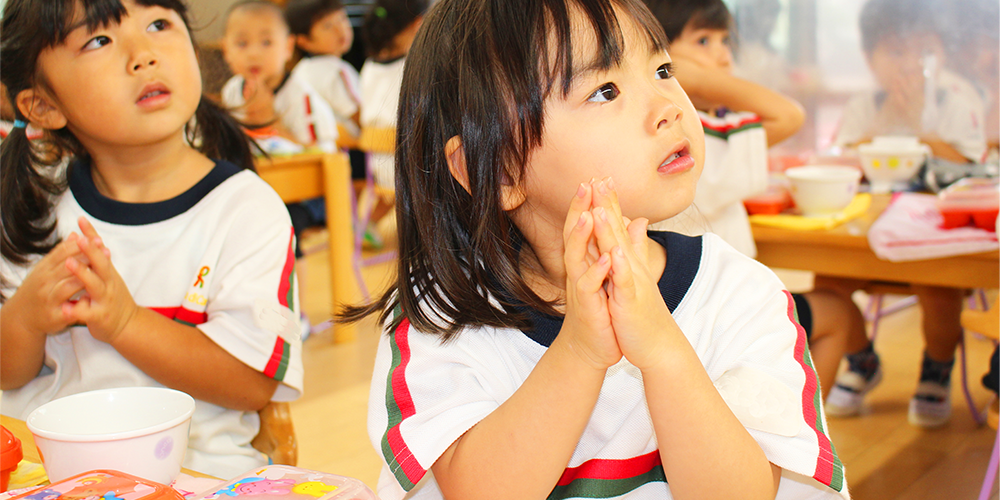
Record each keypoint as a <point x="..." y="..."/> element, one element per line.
<point x="613" y="302"/>
<point x="76" y="283"/>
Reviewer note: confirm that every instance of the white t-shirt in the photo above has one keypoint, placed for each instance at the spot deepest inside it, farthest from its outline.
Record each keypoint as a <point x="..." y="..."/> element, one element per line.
<point x="735" y="169"/>
<point x="337" y="81"/>
<point x="218" y="257"/>
<point x="958" y="120"/>
<point x="737" y="316"/>
<point x="380" y="86"/>
<point x="301" y="109"/>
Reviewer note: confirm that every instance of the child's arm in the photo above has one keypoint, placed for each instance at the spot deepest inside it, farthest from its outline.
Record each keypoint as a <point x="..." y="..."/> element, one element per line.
<point x="780" y="115"/>
<point x="521" y="449"/>
<point x="175" y="355"/>
<point x="33" y="312"/>
<point x="699" y="437"/>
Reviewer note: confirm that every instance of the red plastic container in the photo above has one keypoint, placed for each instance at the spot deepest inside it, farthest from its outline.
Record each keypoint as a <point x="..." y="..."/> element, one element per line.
<point x="970" y="201"/>
<point x="104" y="484"/>
<point x="10" y="455"/>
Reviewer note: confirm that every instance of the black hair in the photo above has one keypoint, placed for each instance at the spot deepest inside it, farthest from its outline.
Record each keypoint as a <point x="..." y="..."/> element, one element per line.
<point x="674" y="15"/>
<point x="256" y="6"/>
<point x="386" y="19"/>
<point x="27" y="183"/>
<point x="898" y="18"/>
<point x="302" y="14"/>
<point x="482" y="70"/>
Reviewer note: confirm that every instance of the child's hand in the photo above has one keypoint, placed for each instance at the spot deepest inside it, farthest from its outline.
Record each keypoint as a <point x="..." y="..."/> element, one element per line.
<point x="47" y="287"/>
<point x="109" y="305"/>
<point x="587" y="326"/>
<point x="259" y="101"/>
<point x="642" y="323"/>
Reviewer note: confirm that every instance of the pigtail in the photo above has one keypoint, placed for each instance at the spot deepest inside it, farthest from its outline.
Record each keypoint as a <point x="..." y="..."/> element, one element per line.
<point x="216" y="134"/>
<point x="26" y="202"/>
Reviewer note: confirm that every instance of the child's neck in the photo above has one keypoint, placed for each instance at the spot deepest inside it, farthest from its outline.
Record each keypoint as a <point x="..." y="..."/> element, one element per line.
<point x="148" y="173"/>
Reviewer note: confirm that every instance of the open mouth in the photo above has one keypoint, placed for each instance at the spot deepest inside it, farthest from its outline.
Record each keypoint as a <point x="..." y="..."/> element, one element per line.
<point x="678" y="161"/>
<point x="153" y="93"/>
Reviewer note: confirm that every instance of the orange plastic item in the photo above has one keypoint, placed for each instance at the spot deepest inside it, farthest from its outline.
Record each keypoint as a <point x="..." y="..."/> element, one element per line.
<point x="970" y="201"/>
<point x="10" y="455"/>
<point x="103" y="484"/>
<point x="772" y="202"/>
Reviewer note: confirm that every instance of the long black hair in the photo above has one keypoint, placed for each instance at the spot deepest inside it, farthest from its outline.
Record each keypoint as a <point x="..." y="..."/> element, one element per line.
<point x="481" y="70"/>
<point x="674" y="15"/>
<point x="386" y="19"/>
<point x="28" y="185"/>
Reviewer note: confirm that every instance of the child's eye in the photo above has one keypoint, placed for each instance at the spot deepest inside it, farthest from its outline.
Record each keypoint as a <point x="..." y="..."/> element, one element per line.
<point x="158" y="25"/>
<point x="665" y="72"/>
<point x="703" y="40"/>
<point x="266" y="43"/>
<point x="97" y="42"/>
<point x="607" y="93"/>
<point x="241" y="44"/>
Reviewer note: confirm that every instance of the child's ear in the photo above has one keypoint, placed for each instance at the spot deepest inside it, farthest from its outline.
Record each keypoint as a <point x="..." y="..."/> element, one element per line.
<point x="40" y="109"/>
<point x="511" y="195"/>
<point x="291" y="46"/>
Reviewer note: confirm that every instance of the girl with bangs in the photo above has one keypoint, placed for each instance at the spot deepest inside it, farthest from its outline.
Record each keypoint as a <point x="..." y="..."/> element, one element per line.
<point x="539" y="341"/>
<point x="151" y="258"/>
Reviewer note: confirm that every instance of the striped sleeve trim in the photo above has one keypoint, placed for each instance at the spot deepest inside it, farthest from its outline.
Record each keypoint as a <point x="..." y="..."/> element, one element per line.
<point x="399" y="407"/>
<point x="286" y="285"/>
<point x="606" y="478"/>
<point x="182" y="315"/>
<point x="277" y="365"/>
<point x="829" y="469"/>
<point x="724" y="128"/>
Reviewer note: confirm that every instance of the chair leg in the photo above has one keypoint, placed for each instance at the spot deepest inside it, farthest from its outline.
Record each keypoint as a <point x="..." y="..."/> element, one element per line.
<point x="991" y="471"/>
<point x="973" y="409"/>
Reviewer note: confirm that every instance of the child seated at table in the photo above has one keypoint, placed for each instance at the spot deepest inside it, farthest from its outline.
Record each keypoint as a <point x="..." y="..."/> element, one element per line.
<point x="741" y="119"/>
<point x="903" y="47"/>
<point x="257" y="46"/>
<point x="902" y="43"/>
<point x="323" y="35"/>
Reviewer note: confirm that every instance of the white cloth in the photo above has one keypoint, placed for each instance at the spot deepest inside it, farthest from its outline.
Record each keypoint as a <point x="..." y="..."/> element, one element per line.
<point x="301" y="109"/>
<point x="218" y="257"/>
<point x="735" y="169"/>
<point x="380" y="86"/>
<point x="337" y="81"/>
<point x="910" y="229"/>
<point x="959" y="118"/>
<point x="735" y="313"/>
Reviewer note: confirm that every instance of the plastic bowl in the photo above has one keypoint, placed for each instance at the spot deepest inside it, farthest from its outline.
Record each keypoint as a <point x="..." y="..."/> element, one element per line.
<point x="889" y="162"/>
<point x="141" y="431"/>
<point x="10" y="455"/>
<point x="823" y="190"/>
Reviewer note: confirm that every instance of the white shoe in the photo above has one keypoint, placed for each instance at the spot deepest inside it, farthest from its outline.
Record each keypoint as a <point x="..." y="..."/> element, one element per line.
<point x="847" y="396"/>
<point x="931" y="405"/>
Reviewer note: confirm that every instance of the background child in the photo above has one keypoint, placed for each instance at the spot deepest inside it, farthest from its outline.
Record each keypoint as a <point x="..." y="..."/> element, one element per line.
<point x="741" y="119"/>
<point x="388" y="32"/>
<point x="323" y="35"/>
<point x="257" y="46"/>
<point x="901" y="41"/>
<point x="149" y="262"/>
<point x="510" y="110"/>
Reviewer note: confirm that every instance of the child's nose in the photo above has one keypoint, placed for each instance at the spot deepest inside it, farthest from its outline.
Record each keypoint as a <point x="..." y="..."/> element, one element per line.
<point x="667" y="113"/>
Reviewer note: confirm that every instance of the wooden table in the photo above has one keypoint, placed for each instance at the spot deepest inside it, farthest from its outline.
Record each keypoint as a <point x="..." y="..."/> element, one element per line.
<point x="844" y="252"/>
<point x="302" y="177"/>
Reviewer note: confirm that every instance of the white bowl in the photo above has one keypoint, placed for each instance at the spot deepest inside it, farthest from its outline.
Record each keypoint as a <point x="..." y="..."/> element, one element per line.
<point x="889" y="162"/>
<point x="823" y="190"/>
<point x="141" y="431"/>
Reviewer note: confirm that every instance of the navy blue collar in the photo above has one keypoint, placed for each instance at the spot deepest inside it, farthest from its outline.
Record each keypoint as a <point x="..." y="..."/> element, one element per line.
<point x="683" y="261"/>
<point x="81" y="184"/>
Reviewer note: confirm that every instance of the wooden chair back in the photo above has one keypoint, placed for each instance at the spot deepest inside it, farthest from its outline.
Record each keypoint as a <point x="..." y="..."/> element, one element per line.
<point x="276" y="437"/>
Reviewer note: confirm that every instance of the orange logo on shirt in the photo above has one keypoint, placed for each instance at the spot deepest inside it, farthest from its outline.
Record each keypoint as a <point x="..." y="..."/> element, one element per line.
<point x="200" y="282"/>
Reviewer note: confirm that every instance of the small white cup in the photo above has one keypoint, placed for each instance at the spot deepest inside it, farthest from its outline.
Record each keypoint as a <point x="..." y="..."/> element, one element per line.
<point x="823" y="190"/>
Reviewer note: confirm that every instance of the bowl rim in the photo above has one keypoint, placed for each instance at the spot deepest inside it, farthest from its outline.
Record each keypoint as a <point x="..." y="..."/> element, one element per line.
<point x="110" y="436"/>
<point x="845" y="170"/>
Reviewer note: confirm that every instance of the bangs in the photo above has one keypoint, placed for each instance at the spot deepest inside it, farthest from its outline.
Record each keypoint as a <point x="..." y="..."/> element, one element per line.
<point x="715" y="17"/>
<point x="60" y="18"/>
<point x="607" y="32"/>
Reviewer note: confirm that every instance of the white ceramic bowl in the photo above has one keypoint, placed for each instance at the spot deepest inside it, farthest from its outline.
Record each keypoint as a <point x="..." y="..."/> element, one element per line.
<point x="823" y="190"/>
<point x="141" y="431"/>
<point x="889" y="162"/>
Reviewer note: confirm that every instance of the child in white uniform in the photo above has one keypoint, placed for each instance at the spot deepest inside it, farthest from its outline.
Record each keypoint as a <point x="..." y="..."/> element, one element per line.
<point x="256" y="46"/>
<point x="741" y="119"/>
<point x="323" y="35"/>
<point x="149" y="263"/>
<point x="539" y="342"/>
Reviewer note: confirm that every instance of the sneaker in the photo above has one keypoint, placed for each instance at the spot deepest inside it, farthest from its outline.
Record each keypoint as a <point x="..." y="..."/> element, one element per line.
<point x="847" y="396"/>
<point x="372" y="239"/>
<point x="931" y="405"/>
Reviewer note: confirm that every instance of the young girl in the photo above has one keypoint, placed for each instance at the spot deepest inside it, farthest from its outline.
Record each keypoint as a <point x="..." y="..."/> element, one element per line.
<point x="148" y="262"/>
<point x="541" y="342"/>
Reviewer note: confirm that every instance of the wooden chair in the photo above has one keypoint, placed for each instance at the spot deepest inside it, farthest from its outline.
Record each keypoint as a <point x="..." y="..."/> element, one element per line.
<point x="276" y="437"/>
<point x="302" y="177"/>
<point x="987" y="323"/>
